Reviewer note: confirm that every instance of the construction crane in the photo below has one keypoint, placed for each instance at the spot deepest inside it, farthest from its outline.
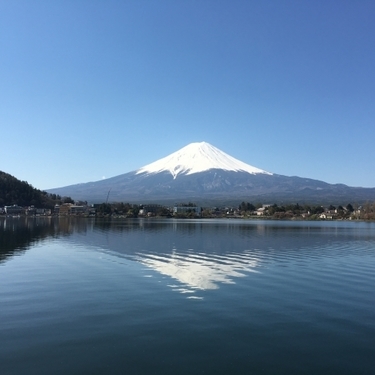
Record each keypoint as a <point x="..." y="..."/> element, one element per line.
<point x="108" y="196"/>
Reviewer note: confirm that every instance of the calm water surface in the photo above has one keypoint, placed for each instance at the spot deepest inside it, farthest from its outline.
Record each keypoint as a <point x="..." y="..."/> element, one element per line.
<point x="186" y="297"/>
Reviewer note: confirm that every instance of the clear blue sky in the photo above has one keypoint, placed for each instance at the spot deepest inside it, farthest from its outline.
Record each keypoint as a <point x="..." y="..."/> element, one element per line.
<point x="100" y="88"/>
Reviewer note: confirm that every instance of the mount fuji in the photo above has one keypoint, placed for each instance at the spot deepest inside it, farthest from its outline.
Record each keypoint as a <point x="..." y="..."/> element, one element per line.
<point x="197" y="158"/>
<point x="201" y="173"/>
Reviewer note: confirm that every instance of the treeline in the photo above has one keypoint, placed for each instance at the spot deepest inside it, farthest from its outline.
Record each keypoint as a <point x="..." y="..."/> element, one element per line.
<point x="130" y="210"/>
<point x="362" y="212"/>
<point x="367" y="212"/>
<point x="244" y="210"/>
<point x="21" y="193"/>
<point x="127" y="209"/>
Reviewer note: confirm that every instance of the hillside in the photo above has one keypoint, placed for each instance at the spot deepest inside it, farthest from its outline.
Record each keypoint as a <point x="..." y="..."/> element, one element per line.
<point x="14" y="191"/>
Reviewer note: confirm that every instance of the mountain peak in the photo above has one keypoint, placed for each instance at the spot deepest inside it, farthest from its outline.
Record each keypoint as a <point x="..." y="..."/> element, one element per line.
<point x="198" y="157"/>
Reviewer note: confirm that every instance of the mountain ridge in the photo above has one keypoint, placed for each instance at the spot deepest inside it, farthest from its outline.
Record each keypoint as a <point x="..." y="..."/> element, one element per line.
<point x="200" y="172"/>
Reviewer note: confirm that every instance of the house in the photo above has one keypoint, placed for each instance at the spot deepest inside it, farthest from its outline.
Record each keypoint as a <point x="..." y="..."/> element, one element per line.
<point x="64" y="209"/>
<point x="31" y="211"/>
<point x="261" y="211"/>
<point x="150" y="210"/>
<point x="14" y="210"/>
<point x="77" y="210"/>
<point x="326" y="216"/>
<point x="71" y="209"/>
<point x="43" y="211"/>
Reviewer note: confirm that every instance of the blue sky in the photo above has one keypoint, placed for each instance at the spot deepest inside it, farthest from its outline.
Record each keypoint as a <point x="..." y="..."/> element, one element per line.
<point x="100" y="88"/>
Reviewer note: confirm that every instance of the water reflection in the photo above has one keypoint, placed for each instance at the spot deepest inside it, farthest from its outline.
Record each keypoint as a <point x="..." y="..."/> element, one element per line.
<point x="196" y="254"/>
<point x="96" y="297"/>
<point x="200" y="270"/>
<point x="19" y="234"/>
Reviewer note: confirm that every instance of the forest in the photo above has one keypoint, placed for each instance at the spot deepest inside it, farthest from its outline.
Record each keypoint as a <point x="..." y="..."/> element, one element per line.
<point x="14" y="191"/>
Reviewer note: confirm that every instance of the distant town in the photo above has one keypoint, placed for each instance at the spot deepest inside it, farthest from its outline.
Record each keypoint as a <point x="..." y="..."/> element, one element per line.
<point x="244" y="210"/>
<point x="18" y="198"/>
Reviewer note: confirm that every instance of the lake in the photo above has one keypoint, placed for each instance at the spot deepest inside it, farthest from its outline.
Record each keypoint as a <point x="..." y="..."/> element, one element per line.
<point x="149" y="296"/>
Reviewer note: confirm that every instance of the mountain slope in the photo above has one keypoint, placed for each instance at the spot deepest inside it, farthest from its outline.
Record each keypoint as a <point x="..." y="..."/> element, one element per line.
<point x="198" y="157"/>
<point x="202" y="173"/>
<point x="14" y="191"/>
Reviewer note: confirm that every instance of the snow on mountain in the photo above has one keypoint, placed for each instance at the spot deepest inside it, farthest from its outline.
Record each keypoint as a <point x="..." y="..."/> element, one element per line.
<point x="222" y="179"/>
<point x="198" y="157"/>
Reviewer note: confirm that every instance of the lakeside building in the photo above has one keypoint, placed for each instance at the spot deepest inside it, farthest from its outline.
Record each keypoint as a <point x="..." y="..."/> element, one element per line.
<point x="14" y="210"/>
<point x="33" y="211"/>
<point x="70" y="209"/>
<point x="262" y="210"/>
<point x="149" y="209"/>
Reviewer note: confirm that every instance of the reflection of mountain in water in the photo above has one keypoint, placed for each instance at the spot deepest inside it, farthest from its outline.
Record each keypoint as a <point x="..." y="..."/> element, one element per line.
<point x="200" y="270"/>
<point x="202" y="254"/>
<point x="198" y="254"/>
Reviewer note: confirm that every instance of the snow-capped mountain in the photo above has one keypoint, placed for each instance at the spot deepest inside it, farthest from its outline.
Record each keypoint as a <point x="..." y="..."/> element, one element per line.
<point x="196" y="158"/>
<point x="203" y="174"/>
